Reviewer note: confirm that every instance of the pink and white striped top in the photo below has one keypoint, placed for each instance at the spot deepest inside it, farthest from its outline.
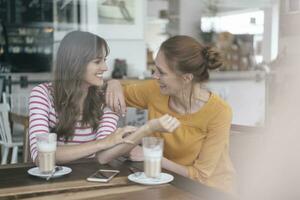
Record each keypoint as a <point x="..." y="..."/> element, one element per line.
<point x="42" y="118"/>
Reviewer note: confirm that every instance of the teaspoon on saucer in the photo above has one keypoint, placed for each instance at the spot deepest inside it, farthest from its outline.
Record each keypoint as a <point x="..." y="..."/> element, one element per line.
<point x="56" y="169"/>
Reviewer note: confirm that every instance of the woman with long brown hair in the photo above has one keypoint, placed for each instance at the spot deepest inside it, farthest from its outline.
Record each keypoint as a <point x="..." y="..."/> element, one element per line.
<point x="199" y="148"/>
<point x="73" y="105"/>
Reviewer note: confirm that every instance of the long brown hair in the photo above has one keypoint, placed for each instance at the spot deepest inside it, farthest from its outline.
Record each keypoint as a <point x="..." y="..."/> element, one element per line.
<point x="76" y="50"/>
<point x="185" y="54"/>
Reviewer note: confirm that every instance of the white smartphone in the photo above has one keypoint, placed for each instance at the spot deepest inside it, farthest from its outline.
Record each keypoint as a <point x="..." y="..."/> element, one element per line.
<point x="103" y="175"/>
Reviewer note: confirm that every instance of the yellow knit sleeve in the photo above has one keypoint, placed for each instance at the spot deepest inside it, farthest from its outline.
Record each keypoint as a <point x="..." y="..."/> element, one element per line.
<point x="213" y="146"/>
<point x="138" y="94"/>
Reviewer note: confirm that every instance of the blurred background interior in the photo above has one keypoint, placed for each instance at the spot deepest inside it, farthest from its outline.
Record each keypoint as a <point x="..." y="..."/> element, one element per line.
<point x="254" y="37"/>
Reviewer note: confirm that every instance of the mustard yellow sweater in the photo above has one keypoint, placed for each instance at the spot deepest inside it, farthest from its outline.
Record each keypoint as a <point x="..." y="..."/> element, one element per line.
<point x="200" y="143"/>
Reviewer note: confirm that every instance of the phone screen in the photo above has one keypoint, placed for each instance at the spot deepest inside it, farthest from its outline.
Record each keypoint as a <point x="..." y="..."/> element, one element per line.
<point x="103" y="175"/>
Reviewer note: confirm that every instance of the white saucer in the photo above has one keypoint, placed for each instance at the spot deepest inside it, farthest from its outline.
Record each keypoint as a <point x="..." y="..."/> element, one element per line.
<point x="36" y="172"/>
<point x="140" y="177"/>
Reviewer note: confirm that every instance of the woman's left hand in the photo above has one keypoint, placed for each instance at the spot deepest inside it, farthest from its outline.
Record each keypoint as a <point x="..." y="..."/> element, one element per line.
<point x="114" y="97"/>
<point x="136" y="154"/>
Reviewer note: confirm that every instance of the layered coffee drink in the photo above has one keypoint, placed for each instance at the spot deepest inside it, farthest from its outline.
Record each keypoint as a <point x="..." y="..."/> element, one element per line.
<point x="152" y="164"/>
<point x="152" y="149"/>
<point x="46" y="146"/>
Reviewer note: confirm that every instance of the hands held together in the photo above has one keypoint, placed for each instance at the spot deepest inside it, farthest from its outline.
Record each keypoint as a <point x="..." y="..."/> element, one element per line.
<point x="166" y="123"/>
<point x="119" y="136"/>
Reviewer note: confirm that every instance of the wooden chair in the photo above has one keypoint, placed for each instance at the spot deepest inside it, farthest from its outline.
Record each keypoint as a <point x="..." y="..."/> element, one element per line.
<point x="24" y="121"/>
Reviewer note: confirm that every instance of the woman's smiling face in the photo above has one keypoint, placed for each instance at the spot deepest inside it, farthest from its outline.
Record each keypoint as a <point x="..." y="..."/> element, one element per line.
<point x="170" y="83"/>
<point x="94" y="72"/>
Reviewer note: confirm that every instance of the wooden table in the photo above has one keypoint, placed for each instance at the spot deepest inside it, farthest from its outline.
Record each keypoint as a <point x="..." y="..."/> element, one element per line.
<point x="15" y="183"/>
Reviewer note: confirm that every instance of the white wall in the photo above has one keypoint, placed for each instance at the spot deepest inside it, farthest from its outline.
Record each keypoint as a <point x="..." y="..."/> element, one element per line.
<point x="289" y="35"/>
<point x="134" y="51"/>
<point x="155" y="33"/>
<point x="155" y="28"/>
<point x="154" y="6"/>
<point x="245" y="94"/>
<point x="271" y="29"/>
<point x="190" y="17"/>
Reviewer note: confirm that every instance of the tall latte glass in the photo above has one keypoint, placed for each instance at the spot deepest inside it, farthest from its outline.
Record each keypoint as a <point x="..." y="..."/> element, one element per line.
<point x="153" y="151"/>
<point x="46" y="145"/>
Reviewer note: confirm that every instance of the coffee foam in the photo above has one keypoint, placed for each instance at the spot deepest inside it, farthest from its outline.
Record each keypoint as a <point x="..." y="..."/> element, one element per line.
<point x="46" y="147"/>
<point x="152" y="153"/>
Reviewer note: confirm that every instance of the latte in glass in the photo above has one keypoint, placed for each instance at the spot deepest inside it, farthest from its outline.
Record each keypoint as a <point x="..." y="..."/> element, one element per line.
<point x="46" y="145"/>
<point x="152" y="150"/>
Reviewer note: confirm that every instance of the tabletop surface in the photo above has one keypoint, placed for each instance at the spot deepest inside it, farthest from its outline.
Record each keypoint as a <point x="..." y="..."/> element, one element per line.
<point x="16" y="183"/>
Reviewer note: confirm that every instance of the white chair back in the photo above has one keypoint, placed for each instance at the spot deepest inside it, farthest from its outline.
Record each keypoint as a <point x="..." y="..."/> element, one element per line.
<point x="6" y="140"/>
<point x="5" y="130"/>
<point x="18" y="102"/>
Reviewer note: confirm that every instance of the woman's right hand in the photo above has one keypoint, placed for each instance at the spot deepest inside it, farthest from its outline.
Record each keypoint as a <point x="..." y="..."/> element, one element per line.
<point x="119" y="136"/>
<point x="114" y="97"/>
<point x="166" y="123"/>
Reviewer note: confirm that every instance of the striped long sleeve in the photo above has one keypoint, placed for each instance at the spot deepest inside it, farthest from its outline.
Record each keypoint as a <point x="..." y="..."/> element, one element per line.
<point x="42" y="118"/>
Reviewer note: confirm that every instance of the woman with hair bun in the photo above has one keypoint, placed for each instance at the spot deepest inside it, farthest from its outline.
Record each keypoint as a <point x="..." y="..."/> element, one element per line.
<point x="199" y="148"/>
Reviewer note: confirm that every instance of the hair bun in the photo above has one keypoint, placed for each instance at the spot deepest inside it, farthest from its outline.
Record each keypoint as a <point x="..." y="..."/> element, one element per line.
<point x="205" y="51"/>
<point x="212" y="58"/>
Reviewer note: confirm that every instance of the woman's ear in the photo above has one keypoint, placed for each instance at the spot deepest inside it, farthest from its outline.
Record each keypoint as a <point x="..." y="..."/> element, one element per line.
<point x="187" y="78"/>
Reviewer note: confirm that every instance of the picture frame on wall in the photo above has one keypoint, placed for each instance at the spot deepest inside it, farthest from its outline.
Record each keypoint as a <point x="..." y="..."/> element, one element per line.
<point x="115" y="19"/>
